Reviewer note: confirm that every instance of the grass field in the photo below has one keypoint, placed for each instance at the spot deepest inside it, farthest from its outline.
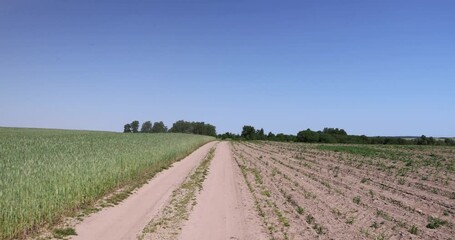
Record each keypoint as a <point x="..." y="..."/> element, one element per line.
<point x="46" y="174"/>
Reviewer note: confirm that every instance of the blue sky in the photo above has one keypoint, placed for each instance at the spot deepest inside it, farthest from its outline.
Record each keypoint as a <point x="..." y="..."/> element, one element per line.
<point x="379" y="67"/>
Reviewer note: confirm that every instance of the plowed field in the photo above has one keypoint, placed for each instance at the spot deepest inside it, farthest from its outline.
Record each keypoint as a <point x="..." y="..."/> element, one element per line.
<point x="305" y="191"/>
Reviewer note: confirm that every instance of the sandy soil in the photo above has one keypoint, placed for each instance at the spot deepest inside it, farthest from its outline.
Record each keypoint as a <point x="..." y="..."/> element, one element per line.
<point x="225" y="209"/>
<point x="126" y="220"/>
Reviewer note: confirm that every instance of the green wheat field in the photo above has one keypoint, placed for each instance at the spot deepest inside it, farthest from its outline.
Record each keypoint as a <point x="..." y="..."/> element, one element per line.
<point x="46" y="174"/>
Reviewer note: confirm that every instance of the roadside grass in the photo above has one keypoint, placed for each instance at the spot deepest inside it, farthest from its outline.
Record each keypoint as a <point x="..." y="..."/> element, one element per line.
<point x="48" y="174"/>
<point x="64" y="232"/>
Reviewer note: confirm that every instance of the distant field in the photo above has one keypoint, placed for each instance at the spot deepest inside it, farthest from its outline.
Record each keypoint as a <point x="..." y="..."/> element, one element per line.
<point x="313" y="191"/>
<point x="45" y="174"/>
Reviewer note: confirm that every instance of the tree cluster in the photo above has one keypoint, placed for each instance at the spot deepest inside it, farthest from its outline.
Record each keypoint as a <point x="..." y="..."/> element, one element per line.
<point x="423" y="140"/>
<point x="250" y="133"/>
<point x="199" y="128"/>
<point x="180" y="126"/>
<point x="147" y="127"/>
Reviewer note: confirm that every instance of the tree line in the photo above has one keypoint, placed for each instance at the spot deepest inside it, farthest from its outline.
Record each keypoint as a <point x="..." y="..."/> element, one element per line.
<point x="331" y="135"/>
<point x="180" y="126"/>
<point x="327" y="135"/>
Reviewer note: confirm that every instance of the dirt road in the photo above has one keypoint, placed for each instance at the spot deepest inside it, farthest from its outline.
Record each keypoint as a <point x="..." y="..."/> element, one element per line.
<point x="224" y="208"/>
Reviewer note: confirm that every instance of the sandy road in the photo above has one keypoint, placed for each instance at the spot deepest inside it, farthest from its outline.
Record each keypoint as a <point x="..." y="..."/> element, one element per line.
<point x="126" y="220"/>
<point x="224" y="209"/>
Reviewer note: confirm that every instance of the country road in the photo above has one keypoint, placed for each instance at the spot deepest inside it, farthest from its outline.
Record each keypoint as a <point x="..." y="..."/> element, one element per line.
<point x="223" y="209"/>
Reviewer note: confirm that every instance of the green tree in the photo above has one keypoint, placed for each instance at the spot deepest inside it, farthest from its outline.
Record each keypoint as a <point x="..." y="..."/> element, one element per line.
<point x="146" y="127"/>
<point x="260" y="134"/>
<point x="308" y="136"/>
<point x="181" y="127"/>
<point x="422" y="140"/>
<point x="198" y="128"/>
<point x="271" y="136"/>
<point x="327" y="138"/>
<point x="159" y="127"/>
<point x="248" y="133"/>
<point x="335" y="131"/>
<point x="228" y="135"/>
<point x="363" y="139"/>
<point x="209" y="130"/>
<point x="193" y="127"/>
<point x="449" y="142"/>
<point x="135" y="126"/>
<point x="127" y="128"/>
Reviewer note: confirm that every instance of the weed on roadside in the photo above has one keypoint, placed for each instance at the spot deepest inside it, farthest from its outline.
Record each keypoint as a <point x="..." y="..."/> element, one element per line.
<point x="64" y="232"/>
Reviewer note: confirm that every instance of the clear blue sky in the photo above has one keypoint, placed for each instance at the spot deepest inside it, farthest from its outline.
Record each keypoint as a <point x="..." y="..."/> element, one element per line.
<point x="379" y="67"/>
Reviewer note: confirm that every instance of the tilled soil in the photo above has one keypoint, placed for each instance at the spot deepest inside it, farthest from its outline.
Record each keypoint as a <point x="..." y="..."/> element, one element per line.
<point x="302" y="192"/>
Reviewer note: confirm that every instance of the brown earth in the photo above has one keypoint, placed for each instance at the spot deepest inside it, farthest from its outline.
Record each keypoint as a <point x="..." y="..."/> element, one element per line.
<point x="307" y="193"/>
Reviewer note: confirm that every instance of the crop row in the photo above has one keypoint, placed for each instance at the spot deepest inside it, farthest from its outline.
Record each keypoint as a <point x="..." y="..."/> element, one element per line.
<point x="340" y="198"/>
